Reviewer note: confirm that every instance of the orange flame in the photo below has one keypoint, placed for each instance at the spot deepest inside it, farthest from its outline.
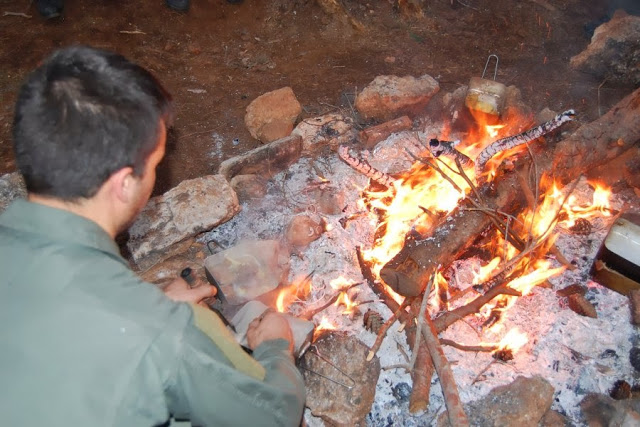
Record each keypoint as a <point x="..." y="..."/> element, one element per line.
<point x="324" y="325"/>
<point x="343" y="299"/>
<point x="514" y="340"/>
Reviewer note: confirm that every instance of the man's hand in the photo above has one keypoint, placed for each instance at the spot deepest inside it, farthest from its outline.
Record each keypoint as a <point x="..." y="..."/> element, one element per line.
<point x="179" y="290"/>
<point x="269" y="326"/>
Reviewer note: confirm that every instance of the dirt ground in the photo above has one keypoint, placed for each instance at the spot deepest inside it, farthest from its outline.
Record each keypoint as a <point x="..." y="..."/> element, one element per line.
<point x="218" y="57"/>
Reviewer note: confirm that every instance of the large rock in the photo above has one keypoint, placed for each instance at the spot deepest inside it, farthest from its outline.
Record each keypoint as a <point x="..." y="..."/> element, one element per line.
<point x="192" y="207"/>
<point x="347" y="399"/>
<point x="266" y="160"/>
<point x="614" y="52"/>
<point x="271" y="116"/>
<point x="522" y="403"/>
<point x="390" y="96"/>
<point x="11" y="187"/>
<point x="329" y="130"/>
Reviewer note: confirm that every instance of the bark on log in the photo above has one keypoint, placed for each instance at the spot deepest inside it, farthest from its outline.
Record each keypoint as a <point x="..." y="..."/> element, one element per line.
<point x="590" y="146"/>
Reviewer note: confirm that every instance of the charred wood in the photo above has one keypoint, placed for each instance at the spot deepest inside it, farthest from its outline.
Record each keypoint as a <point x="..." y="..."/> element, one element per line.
<point x="591" y="145"/>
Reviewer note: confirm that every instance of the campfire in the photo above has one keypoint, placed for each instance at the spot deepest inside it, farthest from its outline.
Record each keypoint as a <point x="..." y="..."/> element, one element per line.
<point x="462" y="235"/>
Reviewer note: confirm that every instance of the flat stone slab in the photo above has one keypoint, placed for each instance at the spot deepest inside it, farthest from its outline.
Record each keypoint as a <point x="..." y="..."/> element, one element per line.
<point x="194" y="206"/>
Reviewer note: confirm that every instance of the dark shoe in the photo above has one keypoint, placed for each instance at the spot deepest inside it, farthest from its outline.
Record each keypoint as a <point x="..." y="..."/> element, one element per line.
<point x="179" y="5"/>
<point x="50" y="9"/>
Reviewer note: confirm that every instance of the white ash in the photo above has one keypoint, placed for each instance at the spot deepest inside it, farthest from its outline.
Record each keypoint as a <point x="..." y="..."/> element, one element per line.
<point x="577" y="355"/>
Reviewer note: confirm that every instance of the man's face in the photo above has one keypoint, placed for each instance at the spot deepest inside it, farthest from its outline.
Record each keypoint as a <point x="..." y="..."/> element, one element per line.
<point x="144" y="184"/>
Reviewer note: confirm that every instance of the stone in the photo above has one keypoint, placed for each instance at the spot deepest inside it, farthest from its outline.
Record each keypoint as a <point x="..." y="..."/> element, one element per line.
<point x="271" y="116"/>
<point x="328" y="200"/>
<point x="12" y="187"/>
<point x="266" y="160"/>
<point x="335" y="403"/>
<point x="302" y="230"/>
<point x="522" y="403"/>
<point x="387" y="97"/>
<point x="614" y="51"/>
<point x="167" y="270"/>
<point x="554" y="419"/>
<point x="249" y="187"/>
<point x="249" y="269"/>
<point x="329" y="130"/>
<point x="602" y="410"/>
<point x="194" y="206"/>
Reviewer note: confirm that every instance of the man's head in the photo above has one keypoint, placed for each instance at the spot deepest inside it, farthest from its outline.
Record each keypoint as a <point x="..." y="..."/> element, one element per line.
<point x="83" y="115"/>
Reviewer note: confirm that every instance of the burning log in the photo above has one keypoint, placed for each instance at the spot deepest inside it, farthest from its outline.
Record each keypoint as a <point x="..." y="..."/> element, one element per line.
<point x="588" y="147"/>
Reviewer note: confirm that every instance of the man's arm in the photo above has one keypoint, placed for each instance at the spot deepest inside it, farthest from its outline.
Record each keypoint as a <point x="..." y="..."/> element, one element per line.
<point x="217" y="383"/>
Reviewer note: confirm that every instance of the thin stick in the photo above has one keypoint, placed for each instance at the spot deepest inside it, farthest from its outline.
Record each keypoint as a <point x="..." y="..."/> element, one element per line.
<point x="23" y="15"/>
<point x="483" y="348"/>
<point x="457" y="416"/>
<point x="308" y="315"/>
<point x="383" y="330"/>
<point x="421" y="314"/>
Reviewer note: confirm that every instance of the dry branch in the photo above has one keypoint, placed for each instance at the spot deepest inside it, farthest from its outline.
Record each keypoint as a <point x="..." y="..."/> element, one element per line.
<point x="423" y="369"/>
<point x="482" y="348"/>
<point x="457" y="416"/>
<point x="591" y="145"/>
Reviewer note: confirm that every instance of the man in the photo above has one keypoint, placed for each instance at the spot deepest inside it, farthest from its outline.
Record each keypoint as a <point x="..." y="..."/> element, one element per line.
<point x="84" y="341"/>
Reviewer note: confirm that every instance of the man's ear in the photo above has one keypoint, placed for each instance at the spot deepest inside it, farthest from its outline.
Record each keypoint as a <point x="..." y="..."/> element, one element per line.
<point x="122" y="184"/>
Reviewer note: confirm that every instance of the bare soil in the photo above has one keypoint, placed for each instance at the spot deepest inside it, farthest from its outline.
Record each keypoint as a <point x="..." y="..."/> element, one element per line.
<point x="218" y="57"/>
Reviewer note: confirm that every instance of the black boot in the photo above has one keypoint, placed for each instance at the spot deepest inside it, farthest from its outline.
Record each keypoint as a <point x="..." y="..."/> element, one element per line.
<point x="179" y="5"/>
<point x="50" y="9"/>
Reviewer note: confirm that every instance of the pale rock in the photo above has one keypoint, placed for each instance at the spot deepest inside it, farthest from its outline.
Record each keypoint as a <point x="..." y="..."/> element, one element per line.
<point x="389" y="96"/>
<point x="192" y="207"/>
<point x="266" y="160"/>
<point x="336" y="404"/>
<point x="249" y="269"/>
<point x="328" y="200"/>
<point x="12" y="187"/>
<point x="302" y="230"/>
<point x="271" y="116"/>
<point x="522" y="403"/>
<point x="329" y="130"/>
<point x="249" y="187"/>
<point x="614" y="51"/>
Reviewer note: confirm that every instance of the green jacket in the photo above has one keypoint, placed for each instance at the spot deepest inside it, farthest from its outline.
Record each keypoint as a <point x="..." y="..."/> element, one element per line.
<point x="85" y="342"/>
